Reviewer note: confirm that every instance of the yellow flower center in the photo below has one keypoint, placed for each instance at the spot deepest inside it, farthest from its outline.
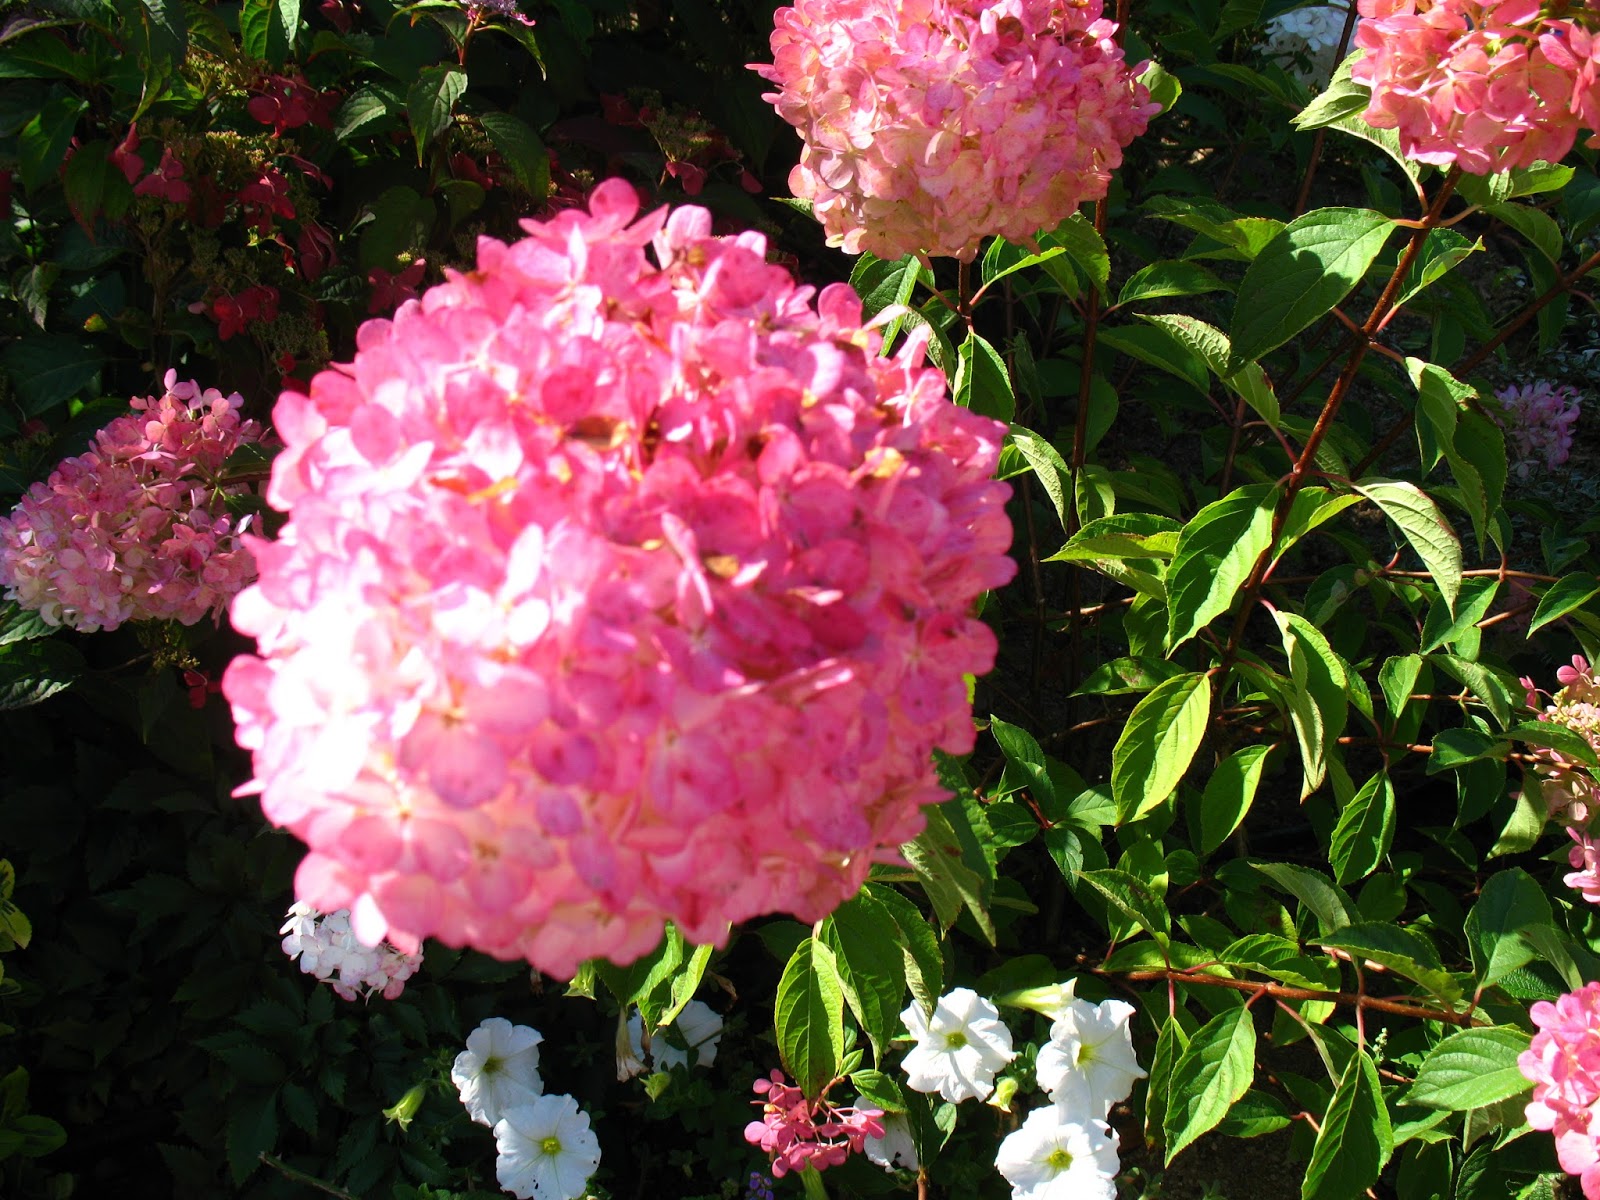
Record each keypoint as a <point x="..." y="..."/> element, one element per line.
<point x="550" y="1146"/>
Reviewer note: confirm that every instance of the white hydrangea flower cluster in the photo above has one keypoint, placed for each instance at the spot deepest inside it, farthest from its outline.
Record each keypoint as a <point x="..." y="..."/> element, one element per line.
<point x="1065" y="1149"/>
<point x="1305" y="41"/>
<point x="328" y="948"/>
<point x="545" y="1149"/>
<point x="698" y="1026"/>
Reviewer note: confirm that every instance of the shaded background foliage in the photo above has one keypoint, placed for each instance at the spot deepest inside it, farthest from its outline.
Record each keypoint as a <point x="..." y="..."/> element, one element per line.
<point x="154" y="1015"/>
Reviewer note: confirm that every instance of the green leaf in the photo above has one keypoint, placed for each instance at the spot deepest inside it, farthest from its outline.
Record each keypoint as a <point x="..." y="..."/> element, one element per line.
<point x="1343" y="97"/>
<point x="1084" y="247"/>
<point x="1442" y="251"/>
<point x="1482" y="682"/>
<point x="861" y="935"/>
<point x="1215" y="1070"/>
<point x="1170" y="277"/>
<point x="1126" y="676"/>
<point x="1158" y="743"/>
<point x="1160" y="348"/>
<point x="1303" y="272"/>
<point x="33" y="671"/>
<point x="919" y="947"/>
<point x="1570" y="742"/>
<point x="1228" y="795"/>
<point x="982" y="382"/>
<point x="1281" y="959"/>
<point x="1215" y="554"/>
<point x="1386" y="140"/>
<point x="1355" y="1140"/>
<point x="48" y="369"/>
<point x="1024" y="752"/>
<point x="1048" y="466"/>
<point x="1255" y="1115"/>
<point x="1534" y="224"/>
<point x="1133" y="899"/>
<point x="516" y="142"/>
<point x="1425" y="528"/>
<point x="948" y="872"/>
<point x="431" y="102"/>
<point x="1326" y="901"/>
<point x="684" y="985"/>
<point x="1562" y="597"/>
<point x="252" y="1129"/>
<point x="1404" y="951"/>
<point x="1005" y="258"/>
<point x="18" y="624"/>
<point x="635" y="983"/>
<point x="1318" y="701"/>
<point x="1170" y="1046"/>
<point x="1470" y="1069"/>
<point x="368" y="109"/>
<point x="1510" y="902"/>
<point x="809" y="1017"/>
<point x="1250" y="384"/>
<point x="44" y="140"/>
<point x="1364" y="832"/>
<point x="1398" y="679"/>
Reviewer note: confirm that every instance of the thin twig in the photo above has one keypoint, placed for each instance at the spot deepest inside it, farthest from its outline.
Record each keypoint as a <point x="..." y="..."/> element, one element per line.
<point x="322" y="1185"/>
<point x="1278" y="991"/>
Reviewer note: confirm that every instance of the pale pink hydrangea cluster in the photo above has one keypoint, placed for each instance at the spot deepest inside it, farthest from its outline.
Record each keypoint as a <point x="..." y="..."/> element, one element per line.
<point x="799" y="1133"/>
<point x="136" y="528"/>
<point x="1564" y="1065"/>
<point x="328" y="948"/>
<point x="1484" y="84"/>
<point x="1539" y="418"/>
<point x="930" y="124"/>
<point x="1569" y="790"/>
<point x="614" y="593"/>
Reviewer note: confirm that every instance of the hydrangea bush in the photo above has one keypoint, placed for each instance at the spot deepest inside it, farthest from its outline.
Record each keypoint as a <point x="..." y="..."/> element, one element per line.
<point x="997" y="727"/>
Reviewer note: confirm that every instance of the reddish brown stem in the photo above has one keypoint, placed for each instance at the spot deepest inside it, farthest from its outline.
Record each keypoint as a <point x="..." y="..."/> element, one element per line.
<point x="1279" y="991"/>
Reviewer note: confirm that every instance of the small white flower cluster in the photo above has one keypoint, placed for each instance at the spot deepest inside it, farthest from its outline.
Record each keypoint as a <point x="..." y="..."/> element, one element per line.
<point x="699" y="1027"/>
<point x="545" y="1148"/>
<point x="1065" y="1149"/>
<point x="328" y="948"/>
<point x="1305" y="41"/>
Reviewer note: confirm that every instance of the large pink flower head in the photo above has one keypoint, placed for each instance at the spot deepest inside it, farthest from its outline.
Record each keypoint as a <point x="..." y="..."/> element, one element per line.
<point x="1484" y="84"/>
<point x="614" y="592"/>
<point x="137" y="528"/>
<point x="1563" y="1063"/>
<point x="931" y="124"/>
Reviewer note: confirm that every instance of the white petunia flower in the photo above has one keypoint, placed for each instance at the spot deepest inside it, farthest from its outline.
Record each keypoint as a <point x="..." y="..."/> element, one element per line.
<point x="498" y="1069"/>
<point x="698" y="1025"/>
<point x="1053" y="1157"/>
<point x="895" y="1148"/>
<point x="1088" y="1064"/>
<point x="959" y="1049"/>
<point x="546" y="1149"/>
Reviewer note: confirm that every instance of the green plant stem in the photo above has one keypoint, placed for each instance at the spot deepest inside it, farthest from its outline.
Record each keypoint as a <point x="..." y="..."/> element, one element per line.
<point x="322" y="1185"/>
<point x="1279" y="991"/>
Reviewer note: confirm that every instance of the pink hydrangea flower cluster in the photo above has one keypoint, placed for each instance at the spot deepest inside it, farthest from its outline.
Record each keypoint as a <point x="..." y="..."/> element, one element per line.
<point x="930" y="124"/>
<point x="137" y="528"/>
<point x="326" y="947"/>
<point x="1484" y="84"/>
<point x="798" y="1132"/>
<point x="1569" y="790"/>
<point x="1539" y="418"/>
<point x="614" y="592"/>
<point x="1564" y="1065"/>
